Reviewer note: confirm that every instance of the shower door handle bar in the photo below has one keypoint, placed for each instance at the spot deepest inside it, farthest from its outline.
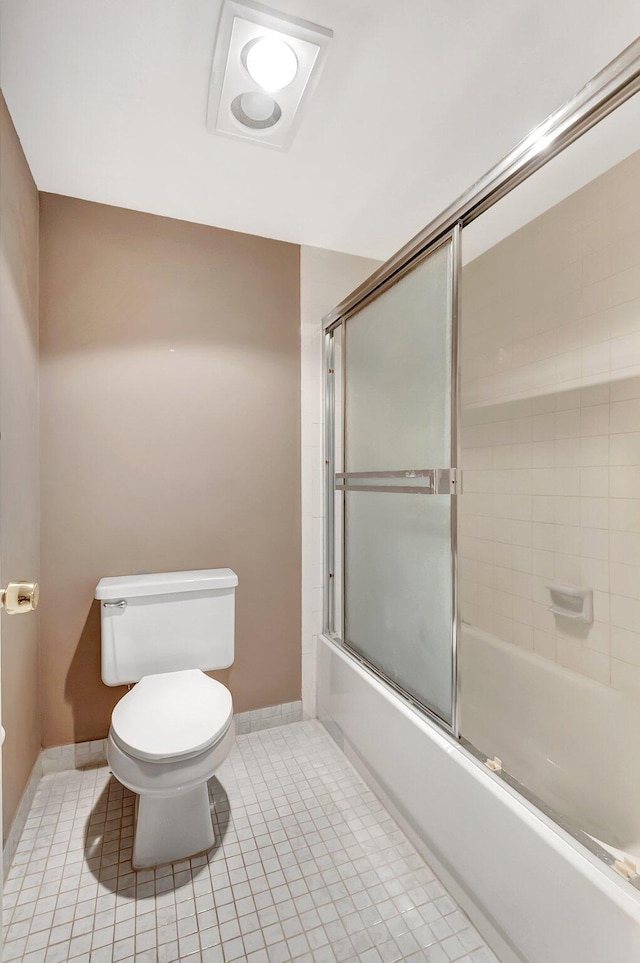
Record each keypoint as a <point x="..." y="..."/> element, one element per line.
<point x="399" y="489"/>
<point x="438" y="481"/>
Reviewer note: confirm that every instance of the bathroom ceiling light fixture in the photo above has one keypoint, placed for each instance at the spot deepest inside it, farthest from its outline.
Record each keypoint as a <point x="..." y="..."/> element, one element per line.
<point x="265" y="67"/>
<point x="271" y="63"/>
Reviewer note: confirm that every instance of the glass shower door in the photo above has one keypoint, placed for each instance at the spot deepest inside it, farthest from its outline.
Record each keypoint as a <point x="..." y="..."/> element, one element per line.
<point x="398" y="482"/>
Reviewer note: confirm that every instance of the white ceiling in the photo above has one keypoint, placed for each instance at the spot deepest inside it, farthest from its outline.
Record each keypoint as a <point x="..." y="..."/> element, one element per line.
<point x="418" y="99"/>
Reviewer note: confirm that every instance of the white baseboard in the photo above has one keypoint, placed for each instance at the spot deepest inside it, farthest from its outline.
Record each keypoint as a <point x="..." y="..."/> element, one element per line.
<point x="20" y="817"/>
<point x="280" y="715"/>
<point x="76" y="755"/>
<point x="87" y="755"/>
<point x="79" y="755"/>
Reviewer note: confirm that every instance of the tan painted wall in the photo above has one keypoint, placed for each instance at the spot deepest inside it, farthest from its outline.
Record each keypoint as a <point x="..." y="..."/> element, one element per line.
<point x="19" y="484"/>
<point x="170" y="386"/>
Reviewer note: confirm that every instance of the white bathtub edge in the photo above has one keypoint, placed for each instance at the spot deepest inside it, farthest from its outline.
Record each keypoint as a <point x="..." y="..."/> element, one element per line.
<point x="492" y="936"/>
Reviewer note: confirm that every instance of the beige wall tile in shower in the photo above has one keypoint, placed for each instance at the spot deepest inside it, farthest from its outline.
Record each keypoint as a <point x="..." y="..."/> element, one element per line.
<point x="625" y="547"/>
<point x="594" y="543"/>
<point x="625" y="612"/>
<point x="596" y="665"/>
<point x="625" y="676"/>
<point x="625" y="415"/>
<point x="625" y="448"/>
<point x="551" y="369"/>
<point x="625" y="645"/>
<point x="624" y="514"/>
<point x="624" y="481"/>
<point x="625" y="579"/>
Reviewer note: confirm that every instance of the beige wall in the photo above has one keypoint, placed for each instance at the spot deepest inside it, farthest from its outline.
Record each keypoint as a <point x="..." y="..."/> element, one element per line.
<point x="19" y="484"/>
<point x="170" y="378"/>
<point x="551" y="430"/>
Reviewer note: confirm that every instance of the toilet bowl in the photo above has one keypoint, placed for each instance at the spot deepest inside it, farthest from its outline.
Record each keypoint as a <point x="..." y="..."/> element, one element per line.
<point x="168" y="735"/>
<point x="173" y="729"/>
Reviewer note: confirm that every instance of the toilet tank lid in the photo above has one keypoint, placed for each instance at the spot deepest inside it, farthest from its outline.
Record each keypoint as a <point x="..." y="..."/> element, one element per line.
<point x="164" y="583"/>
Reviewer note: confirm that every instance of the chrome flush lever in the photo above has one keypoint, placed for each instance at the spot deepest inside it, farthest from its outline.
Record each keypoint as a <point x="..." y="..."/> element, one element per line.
<point x="122" y="604"/>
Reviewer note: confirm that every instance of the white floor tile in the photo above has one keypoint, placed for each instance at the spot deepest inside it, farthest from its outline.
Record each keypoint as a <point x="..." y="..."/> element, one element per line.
<point x="307" y="866"/>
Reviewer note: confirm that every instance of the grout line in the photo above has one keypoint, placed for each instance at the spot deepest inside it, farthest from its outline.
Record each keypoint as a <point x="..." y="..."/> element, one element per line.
<point x="307" y="861"/>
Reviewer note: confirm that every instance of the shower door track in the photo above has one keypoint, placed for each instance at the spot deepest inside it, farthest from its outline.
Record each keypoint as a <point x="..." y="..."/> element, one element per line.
<point x="410" y="700"/>
<point x="557" y="817"/>
<point x="610" y="88"/>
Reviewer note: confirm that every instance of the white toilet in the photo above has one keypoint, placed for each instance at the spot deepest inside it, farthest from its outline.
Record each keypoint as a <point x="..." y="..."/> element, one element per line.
<point x="170" y="733"/>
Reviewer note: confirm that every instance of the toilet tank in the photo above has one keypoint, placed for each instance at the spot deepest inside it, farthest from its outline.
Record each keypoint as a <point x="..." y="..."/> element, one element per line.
<point x="166" y="622"/>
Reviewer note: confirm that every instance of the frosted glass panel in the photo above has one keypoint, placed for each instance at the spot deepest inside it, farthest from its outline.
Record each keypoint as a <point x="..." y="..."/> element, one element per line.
<point x="399" y="591"/>
<point x="398" y="358"/>
<point x="394" y="362"/>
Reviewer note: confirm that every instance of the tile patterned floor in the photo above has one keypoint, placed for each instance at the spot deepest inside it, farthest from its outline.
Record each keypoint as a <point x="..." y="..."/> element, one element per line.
<point x="308" y="866"/>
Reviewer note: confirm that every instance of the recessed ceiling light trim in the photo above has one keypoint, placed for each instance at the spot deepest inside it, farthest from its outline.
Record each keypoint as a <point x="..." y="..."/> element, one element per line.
<point x="286" y="64"/>
<point x="255" y="119"/>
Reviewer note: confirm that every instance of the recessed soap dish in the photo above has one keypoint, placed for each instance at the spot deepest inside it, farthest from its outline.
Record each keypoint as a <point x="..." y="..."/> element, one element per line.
<point x="571" y="601"/>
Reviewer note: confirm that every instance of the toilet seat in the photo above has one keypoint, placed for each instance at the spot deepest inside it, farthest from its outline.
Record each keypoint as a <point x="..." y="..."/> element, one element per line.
<point x="171" y="716"/>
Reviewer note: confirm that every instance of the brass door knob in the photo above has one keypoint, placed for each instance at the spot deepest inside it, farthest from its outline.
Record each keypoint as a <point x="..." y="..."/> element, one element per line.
<point x="19" y="597"/>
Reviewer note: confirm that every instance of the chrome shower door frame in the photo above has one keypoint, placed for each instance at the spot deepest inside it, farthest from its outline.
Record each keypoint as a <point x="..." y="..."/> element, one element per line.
<point x="439" y="480"/>
<point x="609" y="89"/>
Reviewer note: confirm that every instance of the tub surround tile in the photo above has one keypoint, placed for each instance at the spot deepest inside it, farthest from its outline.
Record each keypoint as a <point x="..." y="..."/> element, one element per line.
<point x="575" y="428"/>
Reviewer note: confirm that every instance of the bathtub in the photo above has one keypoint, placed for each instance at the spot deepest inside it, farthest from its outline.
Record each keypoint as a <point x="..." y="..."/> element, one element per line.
<point x="534" y="893"/>
<point x="565" y="737"/>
